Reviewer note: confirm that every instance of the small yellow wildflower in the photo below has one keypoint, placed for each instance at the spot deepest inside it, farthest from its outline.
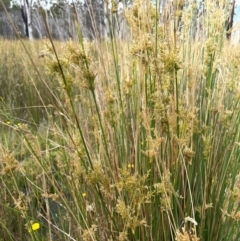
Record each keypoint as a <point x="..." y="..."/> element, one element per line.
<point x="84" y="194"/>
<point x="8" y="122"/>
<point x="130" y="166"/>
<point x="35" y="226"/>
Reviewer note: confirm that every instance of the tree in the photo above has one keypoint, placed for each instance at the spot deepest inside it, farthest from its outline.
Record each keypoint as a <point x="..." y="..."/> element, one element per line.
<point x="230" y="19"/>
<point x="26" y="11"/>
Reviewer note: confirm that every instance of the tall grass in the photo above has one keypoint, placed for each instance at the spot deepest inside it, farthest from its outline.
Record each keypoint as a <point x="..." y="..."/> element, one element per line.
<point x="134" y="140"/>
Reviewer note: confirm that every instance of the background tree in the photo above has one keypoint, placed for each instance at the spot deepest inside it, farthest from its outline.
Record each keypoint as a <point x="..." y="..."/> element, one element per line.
<point x="26" y="11"/>
<point x="229" y="23"/>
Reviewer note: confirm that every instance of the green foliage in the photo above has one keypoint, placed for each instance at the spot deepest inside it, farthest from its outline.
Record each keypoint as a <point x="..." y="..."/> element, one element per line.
<point x="7" y="4"/>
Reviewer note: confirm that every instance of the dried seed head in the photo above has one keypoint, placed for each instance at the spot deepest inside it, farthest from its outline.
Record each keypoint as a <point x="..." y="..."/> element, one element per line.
<point x="89" y="234"/>
<point x="183" y="235"/>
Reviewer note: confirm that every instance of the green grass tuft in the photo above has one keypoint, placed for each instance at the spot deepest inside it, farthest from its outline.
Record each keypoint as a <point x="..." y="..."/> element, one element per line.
<point x="122" y="140"/>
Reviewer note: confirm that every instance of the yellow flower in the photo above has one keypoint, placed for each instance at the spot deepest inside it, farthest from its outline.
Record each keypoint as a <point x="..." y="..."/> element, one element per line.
<point x="84" y="194"/>
<point x="35" y="226"/>
<point x="8" y="122"/>
<point x="130" y="166"/>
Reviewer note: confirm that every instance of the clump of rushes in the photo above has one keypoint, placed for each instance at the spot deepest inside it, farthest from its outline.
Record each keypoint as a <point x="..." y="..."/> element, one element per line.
<point x="143" y="142"/>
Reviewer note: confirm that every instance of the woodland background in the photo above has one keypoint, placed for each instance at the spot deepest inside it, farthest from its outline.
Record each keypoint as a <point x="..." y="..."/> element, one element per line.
<point x="61" y="17"/>
<point x="95" y="18"/>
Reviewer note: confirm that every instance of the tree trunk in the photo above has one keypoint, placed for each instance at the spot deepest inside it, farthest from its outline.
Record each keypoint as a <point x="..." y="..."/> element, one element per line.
<point x="26" y="10"/>
<point x="230" y="19"/>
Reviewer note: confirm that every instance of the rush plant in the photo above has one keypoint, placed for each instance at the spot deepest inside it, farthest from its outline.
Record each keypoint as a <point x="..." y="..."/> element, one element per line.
<point x="143" y="140"/>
